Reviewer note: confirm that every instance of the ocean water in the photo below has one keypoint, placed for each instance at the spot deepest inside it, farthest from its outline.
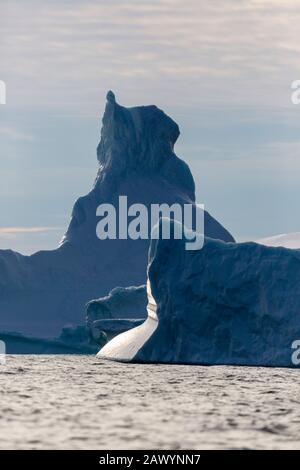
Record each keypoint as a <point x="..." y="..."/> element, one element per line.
<point x="79" y="402"/>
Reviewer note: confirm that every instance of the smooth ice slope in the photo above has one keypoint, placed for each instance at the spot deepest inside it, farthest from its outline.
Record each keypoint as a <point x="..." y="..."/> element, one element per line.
<point x="285" y="240"/>
<point x="42" y="293"/>
<point x="125" y="347"/>
<point x="225" y="304"/>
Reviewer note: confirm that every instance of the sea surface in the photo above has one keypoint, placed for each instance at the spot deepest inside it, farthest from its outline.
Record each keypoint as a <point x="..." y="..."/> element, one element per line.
<point x="79" y="402"/>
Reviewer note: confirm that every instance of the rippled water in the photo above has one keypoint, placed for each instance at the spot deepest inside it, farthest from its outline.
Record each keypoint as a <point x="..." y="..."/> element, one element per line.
<point x="78" y="402"/>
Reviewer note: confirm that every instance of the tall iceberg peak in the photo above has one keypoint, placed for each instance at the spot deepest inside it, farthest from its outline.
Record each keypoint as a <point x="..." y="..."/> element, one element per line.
<point x="42" y="293"/>
<point x="140" y="140"/>
<point x="110" y="97"/>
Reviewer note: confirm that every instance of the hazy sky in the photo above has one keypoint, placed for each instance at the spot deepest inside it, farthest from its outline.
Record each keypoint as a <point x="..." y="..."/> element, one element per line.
<point x="222" y="69"/>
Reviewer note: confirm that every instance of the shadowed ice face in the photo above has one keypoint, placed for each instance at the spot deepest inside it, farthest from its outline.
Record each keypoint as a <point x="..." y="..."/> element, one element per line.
<point x="129" y="134"/>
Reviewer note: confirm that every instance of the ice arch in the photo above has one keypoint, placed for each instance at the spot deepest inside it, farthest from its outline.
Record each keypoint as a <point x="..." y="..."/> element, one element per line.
<point x="125" y="346"/>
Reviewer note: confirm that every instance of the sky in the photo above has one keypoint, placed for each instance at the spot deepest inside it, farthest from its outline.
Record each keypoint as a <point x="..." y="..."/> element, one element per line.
<point x="222" y="70"/>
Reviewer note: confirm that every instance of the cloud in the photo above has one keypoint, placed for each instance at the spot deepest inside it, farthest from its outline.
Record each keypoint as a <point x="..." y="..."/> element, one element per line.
<point x="13" y="232"/>
<point x="27" y="229"/>
<point x="68" y="53"/>
<point x="28" y="240"/>
<point x="16" y="135"/>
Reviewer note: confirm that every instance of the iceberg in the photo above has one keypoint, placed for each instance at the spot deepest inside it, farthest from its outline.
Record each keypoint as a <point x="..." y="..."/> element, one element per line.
<point x="228" y="303"/>
<point x="122" y="309"/>
<point x="120" y="303"/>
<point x="42" y="293"/>
<point x="69" y="342"/>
